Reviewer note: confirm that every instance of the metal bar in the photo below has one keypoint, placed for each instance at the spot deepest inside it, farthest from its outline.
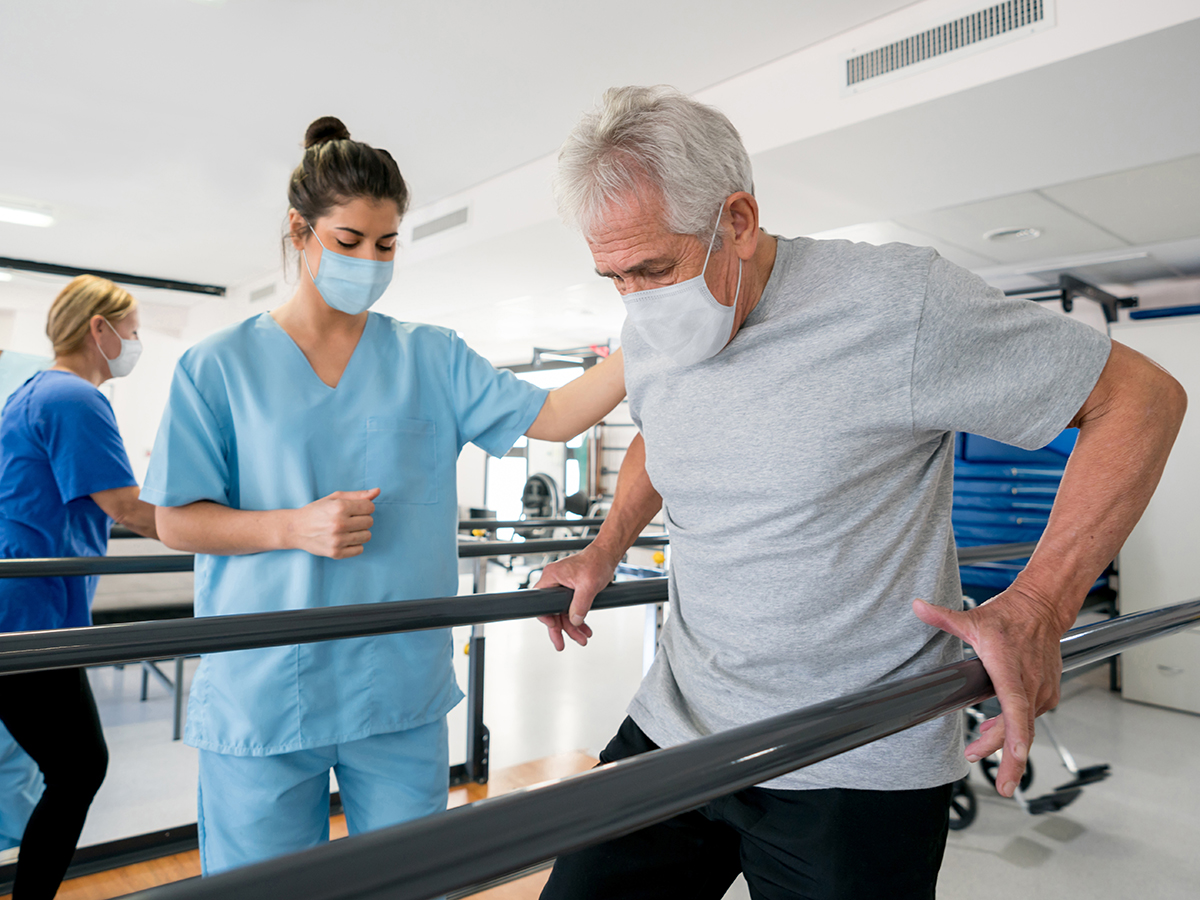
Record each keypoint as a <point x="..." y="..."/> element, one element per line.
<point x="968" y="556"/>
<point x="478" y="735"/>
<point x="493" y="524"/>
<point x="167" y="284"/>
<point x="427" y="858"/>
<point x="138" y="565"/>
<point x="105" y="645"/>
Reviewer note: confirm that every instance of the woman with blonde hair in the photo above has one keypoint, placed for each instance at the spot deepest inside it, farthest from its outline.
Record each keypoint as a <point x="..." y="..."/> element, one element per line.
<point x="64" y="479"/>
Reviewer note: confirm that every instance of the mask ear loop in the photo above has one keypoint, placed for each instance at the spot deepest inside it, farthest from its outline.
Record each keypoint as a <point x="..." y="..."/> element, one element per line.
<point x="712" y="239"/>
<point x="708" y="256"/>
<point x="304" y="255"/>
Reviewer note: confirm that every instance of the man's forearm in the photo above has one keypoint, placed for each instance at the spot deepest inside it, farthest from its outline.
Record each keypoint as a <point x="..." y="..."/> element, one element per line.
<point x="1125" y="435"/>
<point x="635" y="503"/>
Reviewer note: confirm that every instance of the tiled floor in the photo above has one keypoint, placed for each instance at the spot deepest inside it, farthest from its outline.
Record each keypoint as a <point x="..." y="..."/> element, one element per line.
<point x="1134" y="835"/>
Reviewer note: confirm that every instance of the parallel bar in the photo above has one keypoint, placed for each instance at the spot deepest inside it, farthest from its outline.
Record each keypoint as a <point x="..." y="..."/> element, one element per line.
<point x="427" y="858"/>
<point x="968" y="556"/>
<point x="101" y="645"/>
<point x="140" y="565"/>
<point x="493" y="524"/>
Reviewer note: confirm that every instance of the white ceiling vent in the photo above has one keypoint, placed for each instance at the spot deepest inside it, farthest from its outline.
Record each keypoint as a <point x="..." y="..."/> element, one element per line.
<point x="977" y="30"/>
<point x="440" y="224"/>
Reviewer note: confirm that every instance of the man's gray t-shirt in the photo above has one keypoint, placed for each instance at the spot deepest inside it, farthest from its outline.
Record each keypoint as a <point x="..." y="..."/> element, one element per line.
<point x="806" y="473"/>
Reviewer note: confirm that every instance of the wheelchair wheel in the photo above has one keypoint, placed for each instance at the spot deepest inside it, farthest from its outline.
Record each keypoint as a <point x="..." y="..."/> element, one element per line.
<point x="990" y="765"/>
<point x="962" y="806"/>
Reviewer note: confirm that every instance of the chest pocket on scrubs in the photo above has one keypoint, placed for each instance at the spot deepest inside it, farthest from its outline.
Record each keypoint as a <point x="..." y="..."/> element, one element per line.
<point x="402" y="460"/>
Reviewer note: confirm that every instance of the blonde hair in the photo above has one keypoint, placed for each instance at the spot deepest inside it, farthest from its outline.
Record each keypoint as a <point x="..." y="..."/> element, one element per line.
<point x="71" y="313"/>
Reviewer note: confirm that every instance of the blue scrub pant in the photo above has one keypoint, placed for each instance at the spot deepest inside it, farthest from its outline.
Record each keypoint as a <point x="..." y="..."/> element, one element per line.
<point x="20" y="789"/>
<point x="253" y="808"/>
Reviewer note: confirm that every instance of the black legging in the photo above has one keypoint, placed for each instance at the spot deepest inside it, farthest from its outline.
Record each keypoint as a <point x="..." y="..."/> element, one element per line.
<point x="52" y="715"/>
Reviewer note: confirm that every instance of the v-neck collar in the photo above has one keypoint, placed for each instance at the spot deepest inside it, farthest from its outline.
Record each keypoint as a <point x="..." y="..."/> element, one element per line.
<point x="308" y="365"/>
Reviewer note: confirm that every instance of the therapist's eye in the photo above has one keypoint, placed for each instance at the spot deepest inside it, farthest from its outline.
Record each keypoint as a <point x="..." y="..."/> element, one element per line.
<point x="342" y="243"/>
<point x="383" y="248"/>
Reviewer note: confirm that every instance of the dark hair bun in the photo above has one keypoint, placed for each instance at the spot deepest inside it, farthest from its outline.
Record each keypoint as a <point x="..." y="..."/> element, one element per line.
<point x="326" y="128"/>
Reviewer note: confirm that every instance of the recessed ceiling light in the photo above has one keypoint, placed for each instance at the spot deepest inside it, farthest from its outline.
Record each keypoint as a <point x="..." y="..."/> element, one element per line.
<point x="1012" y="235"/>
<point x="19" y="214"/>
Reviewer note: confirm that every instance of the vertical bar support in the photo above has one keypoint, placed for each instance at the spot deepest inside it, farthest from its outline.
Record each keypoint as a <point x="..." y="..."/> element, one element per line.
<point x="178" y="698"/>
<point x="478" y="736"/>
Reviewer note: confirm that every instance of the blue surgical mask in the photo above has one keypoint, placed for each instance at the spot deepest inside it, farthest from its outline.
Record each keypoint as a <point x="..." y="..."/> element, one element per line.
<point x="684" y="320"/>
<point x="347" y="283"/>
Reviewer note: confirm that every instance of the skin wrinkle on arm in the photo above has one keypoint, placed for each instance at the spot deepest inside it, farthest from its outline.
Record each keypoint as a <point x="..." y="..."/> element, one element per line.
<point x="1126" y="429"/>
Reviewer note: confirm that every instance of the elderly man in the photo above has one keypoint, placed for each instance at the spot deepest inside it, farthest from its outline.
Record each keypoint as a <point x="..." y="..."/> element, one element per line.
<point x="797" y="402"/>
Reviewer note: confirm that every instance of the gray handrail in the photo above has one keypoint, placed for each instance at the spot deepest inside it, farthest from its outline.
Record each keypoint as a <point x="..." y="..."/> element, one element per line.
<point x="465" y="846"/>
<point x="68" y="566"/>
<point x="120" y="531"/>
<point x="143" y="565"/>
<point x="33" y="651"/>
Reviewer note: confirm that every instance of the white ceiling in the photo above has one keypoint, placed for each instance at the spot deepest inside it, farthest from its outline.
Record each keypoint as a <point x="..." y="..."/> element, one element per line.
<point x="163" y="132"/>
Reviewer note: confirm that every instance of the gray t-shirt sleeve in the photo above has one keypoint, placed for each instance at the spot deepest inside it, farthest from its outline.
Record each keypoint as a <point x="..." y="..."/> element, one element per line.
<point x="996" y="366"/>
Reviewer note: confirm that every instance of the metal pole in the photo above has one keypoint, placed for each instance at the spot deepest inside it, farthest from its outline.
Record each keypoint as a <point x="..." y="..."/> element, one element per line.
<point x="465" y="846"/>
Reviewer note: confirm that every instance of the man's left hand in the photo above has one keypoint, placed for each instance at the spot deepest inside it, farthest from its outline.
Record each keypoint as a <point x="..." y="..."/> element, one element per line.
<point x="1017" y="638"/>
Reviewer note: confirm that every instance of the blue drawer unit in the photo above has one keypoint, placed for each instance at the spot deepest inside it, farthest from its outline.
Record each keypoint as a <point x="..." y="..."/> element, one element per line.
<point x="1003" y="495"/>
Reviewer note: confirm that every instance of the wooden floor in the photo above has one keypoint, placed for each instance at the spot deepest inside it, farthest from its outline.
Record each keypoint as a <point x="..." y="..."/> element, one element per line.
<point x="118" y="882"/>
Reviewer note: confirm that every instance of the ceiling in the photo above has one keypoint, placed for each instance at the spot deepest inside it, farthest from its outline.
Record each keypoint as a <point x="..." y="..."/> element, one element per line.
<point x="162" y="132"/>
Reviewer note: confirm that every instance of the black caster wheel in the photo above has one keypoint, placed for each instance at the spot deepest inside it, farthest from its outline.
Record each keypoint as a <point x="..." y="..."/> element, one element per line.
<point x="962" y="806"/>
<point x="990" y="765"/>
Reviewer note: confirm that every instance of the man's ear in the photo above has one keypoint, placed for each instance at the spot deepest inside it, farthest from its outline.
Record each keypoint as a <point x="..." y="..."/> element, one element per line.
<point x="743" y="210"/>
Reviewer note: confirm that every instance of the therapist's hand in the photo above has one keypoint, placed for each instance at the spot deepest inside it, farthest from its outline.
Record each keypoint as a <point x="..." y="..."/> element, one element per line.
<point x="336" y="526"/>
<point x="588" y="572"/>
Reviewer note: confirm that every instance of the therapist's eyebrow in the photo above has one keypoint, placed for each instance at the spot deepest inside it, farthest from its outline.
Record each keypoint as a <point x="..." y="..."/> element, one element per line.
<point x="644" y="267"/>
<point x="360" y="234"/>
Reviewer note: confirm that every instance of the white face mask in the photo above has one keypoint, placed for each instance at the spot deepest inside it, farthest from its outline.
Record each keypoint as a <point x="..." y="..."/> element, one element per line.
<point x="122" y="364"/>
<point x="684" y="320"/>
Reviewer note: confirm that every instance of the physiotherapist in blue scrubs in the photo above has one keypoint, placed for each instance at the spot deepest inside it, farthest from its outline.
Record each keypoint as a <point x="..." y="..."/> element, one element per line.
<point x="64" y="479"/>
<point x="308" y="456"/>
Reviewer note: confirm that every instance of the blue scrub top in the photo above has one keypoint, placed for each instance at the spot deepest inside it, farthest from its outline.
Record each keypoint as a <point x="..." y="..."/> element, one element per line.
<point x="59" y="443"/>
<point x="251" y="426"/>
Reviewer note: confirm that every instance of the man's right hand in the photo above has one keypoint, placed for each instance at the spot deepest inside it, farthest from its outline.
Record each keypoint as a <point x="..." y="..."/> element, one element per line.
<point x="588" y="573"/>
<point x="336" y="526"/>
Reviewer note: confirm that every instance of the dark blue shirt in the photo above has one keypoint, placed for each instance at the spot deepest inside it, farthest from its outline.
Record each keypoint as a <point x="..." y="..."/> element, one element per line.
<point x="58" y="444"/>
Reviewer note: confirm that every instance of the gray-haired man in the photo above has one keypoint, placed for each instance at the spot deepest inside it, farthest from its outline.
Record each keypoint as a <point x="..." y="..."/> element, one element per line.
<point x="796" y="402"/>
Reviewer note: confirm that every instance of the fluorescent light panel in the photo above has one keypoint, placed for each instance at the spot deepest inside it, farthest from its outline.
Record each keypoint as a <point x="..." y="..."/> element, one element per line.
<point x="24" y="215"/>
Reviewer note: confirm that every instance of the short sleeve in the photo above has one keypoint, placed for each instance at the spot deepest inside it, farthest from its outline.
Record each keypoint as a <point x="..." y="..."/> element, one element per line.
<point x="997" y="366"/>
<point x="190" y="457"/>
<point x="83" y="444"/>
<point x="492" y="407"/>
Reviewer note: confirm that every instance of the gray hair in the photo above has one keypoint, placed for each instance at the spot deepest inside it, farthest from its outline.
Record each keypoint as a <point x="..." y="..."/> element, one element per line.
<point x="652" y="137"/>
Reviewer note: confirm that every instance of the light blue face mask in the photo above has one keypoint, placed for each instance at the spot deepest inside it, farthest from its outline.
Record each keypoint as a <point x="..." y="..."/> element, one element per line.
<point x="347" y="283"/>
<point x="684" y="320"/>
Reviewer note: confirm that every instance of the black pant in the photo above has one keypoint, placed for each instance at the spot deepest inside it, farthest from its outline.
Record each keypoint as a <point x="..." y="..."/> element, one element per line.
<point x="52" y="715"/>
<point x="829" y="844"/>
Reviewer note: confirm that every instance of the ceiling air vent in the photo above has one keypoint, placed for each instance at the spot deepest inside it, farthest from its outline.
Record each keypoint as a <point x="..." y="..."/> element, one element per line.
<point x="440" y="224"/>
<point x="1002" y="19"/>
